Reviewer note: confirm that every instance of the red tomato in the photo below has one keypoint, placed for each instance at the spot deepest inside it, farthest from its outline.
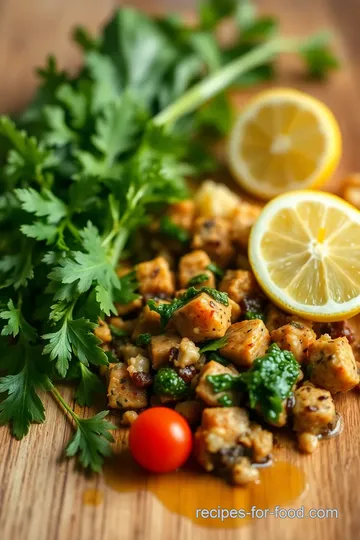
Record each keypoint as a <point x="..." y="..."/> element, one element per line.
<point x="160" y="440"/>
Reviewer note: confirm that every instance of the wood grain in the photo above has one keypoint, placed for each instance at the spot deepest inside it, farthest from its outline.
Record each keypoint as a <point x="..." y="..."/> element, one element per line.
<point x="41" y="497"/>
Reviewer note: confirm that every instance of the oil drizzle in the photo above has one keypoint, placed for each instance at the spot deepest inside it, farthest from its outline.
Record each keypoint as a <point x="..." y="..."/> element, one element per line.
<point x="93" y="497"/>
<point x="185" y="491"/>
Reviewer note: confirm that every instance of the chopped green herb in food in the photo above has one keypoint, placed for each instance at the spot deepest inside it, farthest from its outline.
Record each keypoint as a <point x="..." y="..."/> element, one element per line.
<point x="251" y="315"/>
<point x="170" y="229"/>
<point x="226" y="401"/>
<point x="117" y="332"/>
<point x="166" y="311"/>
<point x="143" y="340"/>
<point x="196" y="280"/>
<point x="215" y="269"/>
<point x="214" y="345"/>
<point x="268" y="382"/>
<point x="168" y="383"/>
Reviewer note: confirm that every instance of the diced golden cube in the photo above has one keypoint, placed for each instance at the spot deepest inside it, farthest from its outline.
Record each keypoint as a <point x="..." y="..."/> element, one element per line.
<point x="214" y="199"/>
<point x="314" y="410"/>
<point x="213" y="236"/>
<point x="182" y="214"/>
<point x="333" y="364"/>
<point x="247" y="340"/>
<point x="122" y="393"/>
<point x="191" y="265"/>
<point x="149" y="322"/>
<point x="202" y="318"/>
<point x="238" y="284"/>
<point x="155" y="277"/>
<point x="223" y="438"/>
<point x="103" y="332"/>
<point x="275" y="318"/>
<point x="221" y="427"/>
<point x="190" y="410"/>
<point x="160" y="348"/>
<point x="126" y="309"/>
<point x="235" y="311"/>
<point x="294" y="337"/>
<point x="243" y="219"/>
<point x="204" y="389"/>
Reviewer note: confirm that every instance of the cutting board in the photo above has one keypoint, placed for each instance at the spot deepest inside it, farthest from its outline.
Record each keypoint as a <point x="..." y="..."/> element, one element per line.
<point x="43" y="497"/>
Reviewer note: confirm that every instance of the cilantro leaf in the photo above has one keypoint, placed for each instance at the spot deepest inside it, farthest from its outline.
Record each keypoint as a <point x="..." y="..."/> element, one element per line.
<point x="91" y="441"/>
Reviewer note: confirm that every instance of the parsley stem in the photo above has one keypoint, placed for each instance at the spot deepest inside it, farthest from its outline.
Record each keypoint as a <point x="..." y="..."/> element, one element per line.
<point x="61" y="400"/>
<point x="74" y="231"/>
<point x="223" y="78"/>
<point x="119" y="245"/>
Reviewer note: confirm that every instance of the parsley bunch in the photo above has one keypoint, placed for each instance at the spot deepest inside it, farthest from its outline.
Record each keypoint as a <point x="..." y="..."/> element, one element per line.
<point x="87" y="164"/>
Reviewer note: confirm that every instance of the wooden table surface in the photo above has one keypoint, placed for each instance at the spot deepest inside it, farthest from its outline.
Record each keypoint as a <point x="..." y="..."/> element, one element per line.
<point x="41" y="497"/>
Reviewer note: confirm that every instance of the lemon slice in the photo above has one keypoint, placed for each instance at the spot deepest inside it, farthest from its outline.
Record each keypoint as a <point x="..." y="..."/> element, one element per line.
<point x="284" y="140"/>
<point x="305" y="252"/>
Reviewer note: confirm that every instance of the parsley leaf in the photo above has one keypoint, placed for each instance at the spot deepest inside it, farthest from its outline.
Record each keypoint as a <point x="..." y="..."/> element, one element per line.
<point x="16" y="322"/>
<point x="73" y="337"/>
<point x="91" y="441"/>
<point x="92" y="265"/>
<point x="43" y="204"/>
<point x="23" y="405"/>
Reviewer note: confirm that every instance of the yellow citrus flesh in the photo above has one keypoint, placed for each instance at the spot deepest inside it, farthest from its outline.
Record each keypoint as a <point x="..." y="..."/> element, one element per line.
<point x="284" y="140"/>
<point x="305" y="253"/>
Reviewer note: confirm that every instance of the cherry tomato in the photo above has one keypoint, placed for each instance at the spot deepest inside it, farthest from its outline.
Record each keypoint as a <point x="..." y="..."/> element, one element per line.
<point x="160" y="440"/>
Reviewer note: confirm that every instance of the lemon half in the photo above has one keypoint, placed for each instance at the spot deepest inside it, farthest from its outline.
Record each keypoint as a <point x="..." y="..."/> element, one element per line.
<point x="284" y="140"/>
<point x="305" y="252"/>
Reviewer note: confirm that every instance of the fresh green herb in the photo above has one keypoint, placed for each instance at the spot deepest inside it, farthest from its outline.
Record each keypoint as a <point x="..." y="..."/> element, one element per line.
<point x="219" y="359"/>
<point x="269" y="381"/>
<point x="94" y="157"/>
<point x="166" y="311"/>
<point x="252" y="315"/>
<point x="128" y="287"/>
<point x="89" y="386"/>
<point x="92" y="436"/>
<point x="117" y="332"/>
<point x="168" y="383"/>
<point x="143" y="340"/>
<point x="215" y="269"/>
<point x="226" y="401"/>
<point x="196" y="280"/>
<point x="225" y="381"/>
<point x="214" y="345"/>
<point x="170" y="229"/>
